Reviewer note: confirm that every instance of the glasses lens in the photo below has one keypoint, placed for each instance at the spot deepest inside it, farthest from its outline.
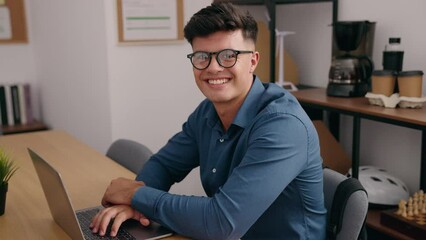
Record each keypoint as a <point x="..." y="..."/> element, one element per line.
<point x="227" y="58"/>
<point x="200" y="60"/>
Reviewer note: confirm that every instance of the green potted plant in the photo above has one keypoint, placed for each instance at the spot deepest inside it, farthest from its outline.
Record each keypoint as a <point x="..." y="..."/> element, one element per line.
<point x="7" y="169"/>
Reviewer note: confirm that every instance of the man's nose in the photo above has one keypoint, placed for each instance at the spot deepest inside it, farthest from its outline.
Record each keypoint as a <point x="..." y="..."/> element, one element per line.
<point x="214" y="65"/>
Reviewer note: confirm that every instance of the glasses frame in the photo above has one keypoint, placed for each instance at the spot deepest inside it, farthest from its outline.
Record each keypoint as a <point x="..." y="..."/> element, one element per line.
<point x="210" y="54"/>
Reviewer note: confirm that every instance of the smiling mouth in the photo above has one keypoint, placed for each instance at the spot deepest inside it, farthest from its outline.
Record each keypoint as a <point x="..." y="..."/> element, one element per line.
<point x="218" y="81"/>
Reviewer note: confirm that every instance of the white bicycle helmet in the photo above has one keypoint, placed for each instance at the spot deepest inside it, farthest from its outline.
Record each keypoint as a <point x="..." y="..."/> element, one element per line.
<point x="383" y="189"/>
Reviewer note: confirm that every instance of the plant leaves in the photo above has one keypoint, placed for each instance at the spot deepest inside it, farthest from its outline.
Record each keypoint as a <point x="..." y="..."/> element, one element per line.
<point x="7" y="167"/>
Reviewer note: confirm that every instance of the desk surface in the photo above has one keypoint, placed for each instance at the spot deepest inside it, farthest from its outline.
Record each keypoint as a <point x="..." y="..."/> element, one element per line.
<point x="27" y="215"/>
<point x="360" y="105"/>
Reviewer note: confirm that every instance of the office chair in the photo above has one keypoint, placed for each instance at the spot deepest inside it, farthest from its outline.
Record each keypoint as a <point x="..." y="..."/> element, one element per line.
<point x="347" y="205"/>
<point x="129" y="154"/>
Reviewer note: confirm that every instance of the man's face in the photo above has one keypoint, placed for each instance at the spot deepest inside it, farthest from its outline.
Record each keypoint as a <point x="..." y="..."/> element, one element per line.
<point x="226" y="85"/>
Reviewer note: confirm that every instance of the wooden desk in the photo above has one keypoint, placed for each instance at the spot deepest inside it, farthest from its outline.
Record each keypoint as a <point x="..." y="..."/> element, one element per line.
<point x="86" y="174"/>
<point x="359" y="108"/>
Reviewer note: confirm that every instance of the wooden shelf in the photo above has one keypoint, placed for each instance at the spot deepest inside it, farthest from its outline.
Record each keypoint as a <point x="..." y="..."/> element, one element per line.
<point x="20" y="128"/>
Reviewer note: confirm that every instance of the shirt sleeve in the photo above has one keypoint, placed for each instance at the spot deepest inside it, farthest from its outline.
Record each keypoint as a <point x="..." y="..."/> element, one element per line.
<point x="172" y="163"/>
<point x="276" y="152"/>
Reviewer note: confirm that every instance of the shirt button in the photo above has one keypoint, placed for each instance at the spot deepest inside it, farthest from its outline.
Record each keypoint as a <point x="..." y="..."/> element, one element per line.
<point x="221" y="140"/>
<point x="213" y="170"/>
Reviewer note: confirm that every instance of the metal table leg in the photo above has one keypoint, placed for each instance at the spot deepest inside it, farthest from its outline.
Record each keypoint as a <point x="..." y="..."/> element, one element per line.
<point x="356" y="132"/>
<point x="423" y="162"/>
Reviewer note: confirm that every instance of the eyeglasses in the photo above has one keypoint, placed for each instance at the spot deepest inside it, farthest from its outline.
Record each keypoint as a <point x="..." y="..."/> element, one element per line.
<point x="225" y="58"/>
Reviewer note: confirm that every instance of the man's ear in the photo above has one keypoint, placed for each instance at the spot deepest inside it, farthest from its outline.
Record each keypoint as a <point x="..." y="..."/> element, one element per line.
<point x="254" y="61"/>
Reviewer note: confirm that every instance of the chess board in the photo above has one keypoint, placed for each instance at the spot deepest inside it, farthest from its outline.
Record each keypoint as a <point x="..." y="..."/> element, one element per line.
<point x="413" y="226"/>
<point x="410" y="216"/>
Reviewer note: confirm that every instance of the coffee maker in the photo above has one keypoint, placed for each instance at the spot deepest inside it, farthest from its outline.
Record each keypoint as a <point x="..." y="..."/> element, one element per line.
<point x="351" y="65"/>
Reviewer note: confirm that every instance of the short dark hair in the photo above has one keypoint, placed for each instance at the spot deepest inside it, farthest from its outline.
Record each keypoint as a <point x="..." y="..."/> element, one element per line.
<point x="220" y="16"/>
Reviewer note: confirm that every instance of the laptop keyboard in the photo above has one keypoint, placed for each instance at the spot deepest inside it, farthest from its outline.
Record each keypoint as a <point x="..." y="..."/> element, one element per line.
<point x="85" y="218"/>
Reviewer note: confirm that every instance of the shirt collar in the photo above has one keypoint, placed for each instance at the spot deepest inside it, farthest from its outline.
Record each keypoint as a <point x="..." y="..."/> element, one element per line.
<point x="248" y="109"/>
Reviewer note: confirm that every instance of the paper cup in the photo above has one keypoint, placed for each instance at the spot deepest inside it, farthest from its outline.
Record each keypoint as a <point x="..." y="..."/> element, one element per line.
<point x="410" y="83"/>
<point x="383" y="82"/>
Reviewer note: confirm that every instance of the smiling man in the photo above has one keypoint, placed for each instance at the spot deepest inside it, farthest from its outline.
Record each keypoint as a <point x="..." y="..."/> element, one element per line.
<point x="257" y="150"/>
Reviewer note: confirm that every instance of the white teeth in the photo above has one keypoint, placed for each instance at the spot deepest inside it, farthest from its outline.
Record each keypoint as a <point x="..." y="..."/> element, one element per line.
<point x="218" y="81"/>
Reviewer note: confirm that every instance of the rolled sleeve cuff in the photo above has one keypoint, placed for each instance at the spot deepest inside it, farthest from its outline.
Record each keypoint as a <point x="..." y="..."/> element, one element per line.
<point x="145" y="200"/>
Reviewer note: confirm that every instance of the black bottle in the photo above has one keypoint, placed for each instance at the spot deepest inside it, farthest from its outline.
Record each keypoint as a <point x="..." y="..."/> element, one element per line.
<point x="393" y="57"/>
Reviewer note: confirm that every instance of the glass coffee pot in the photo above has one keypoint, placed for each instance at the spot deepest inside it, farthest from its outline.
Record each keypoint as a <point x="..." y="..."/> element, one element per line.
<point x="351" y="66"/>
<point x="350" y="69"/>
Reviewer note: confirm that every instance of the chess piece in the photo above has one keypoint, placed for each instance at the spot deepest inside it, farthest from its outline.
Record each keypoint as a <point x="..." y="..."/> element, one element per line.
<point x="423" y="211"/>
<point x="416" y="209"/>
<point x="416" y="195"/>
<point x="410" y="211"/>
<point x="401" y="207"/>
<point x="404" y="212"/>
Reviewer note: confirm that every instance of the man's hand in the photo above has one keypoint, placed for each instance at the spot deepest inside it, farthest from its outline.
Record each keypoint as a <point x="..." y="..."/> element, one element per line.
<point x="120" y="192"/>
<point x="119" y="213"/>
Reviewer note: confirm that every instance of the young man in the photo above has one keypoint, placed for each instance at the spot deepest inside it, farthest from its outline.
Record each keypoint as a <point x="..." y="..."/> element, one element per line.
<point x="257" y="150"/>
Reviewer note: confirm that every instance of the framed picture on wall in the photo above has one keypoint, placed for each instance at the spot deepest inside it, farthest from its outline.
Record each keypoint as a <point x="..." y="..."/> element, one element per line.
<point x="150" y="21"/>
<point x="13" y="26"/>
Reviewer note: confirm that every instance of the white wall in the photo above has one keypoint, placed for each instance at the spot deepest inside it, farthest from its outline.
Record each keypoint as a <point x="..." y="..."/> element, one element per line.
<point x="99" y="91"/>
<point x="70" y="54"/>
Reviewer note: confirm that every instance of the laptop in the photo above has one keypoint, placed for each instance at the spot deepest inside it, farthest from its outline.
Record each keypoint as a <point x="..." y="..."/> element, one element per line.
<point x="76" y="223"/>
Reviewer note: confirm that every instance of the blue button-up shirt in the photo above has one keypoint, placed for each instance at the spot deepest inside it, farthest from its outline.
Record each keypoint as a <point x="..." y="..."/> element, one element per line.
<point x="262" y="177"/>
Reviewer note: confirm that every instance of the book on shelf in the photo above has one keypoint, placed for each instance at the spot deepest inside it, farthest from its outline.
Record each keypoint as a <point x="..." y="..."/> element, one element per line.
<point x="15" y="104"/>
<point x="3" y="110"/>
<point x="28" y="103"/>
<point x="9" y="109"/>
<point x="22" y="103"/>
